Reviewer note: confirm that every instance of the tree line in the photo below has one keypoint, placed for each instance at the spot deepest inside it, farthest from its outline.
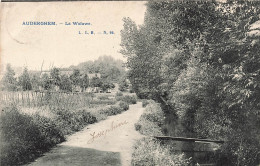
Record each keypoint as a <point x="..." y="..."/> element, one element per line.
<point x="111" y="71"/>
<point x="65" y="82"/>
<point x="109" y="68"/>
<point x="201" y="61"/>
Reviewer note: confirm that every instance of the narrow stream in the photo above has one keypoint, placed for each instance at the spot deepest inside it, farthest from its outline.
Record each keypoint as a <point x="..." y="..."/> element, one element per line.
<point x="205" y="154"/>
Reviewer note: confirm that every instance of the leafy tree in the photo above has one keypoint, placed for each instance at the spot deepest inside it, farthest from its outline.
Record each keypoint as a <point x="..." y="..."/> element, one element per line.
<point x="107" y="85"/>
<point x="9" y="80"/>
<point x="111" y="74"/>
<point x="75" y="77"/>
<point x="45" y="82"/>
<point x="35" y="81"/>
<point x="96" y="82"/>
<point x="143" y="58"/>
<point x="109" y="68"/>
<point x="84" y="81"/>
<point x="66" y="83"/>
<point x="123" y="85"/>
<point x="201" y="59"/>
<point x="25" y="81"/>
<point x="55" y="76"/>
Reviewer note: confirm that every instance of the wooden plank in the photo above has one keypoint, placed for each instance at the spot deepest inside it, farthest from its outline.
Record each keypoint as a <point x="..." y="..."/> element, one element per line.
<point x="187" y="139"/>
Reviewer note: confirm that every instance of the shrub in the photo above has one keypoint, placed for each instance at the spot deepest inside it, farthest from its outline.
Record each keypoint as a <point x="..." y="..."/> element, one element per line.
<point x="102" y="102"/>
<point x="145" y="103"/>
<point x="127" y="98"/>
<point x="147" y="127"/>
<point x="99" y="116"/>
<point x="87" y="117"/>
<point x="124" y="105"/>
<point x="112" y="110"/>
<point x="151" y="120"/>
<point x="24" y="137"/>
<point x="49" y="130"/>
<point x="119" y="94"/>
<point x="103" y="97"/>
<point x="73" y="120"/>
<point x="148" y="151"/>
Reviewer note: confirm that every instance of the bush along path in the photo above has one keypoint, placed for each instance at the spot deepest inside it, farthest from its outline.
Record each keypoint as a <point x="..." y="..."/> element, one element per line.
<point x="149" y="151"/>
<point x="106" y="143"/>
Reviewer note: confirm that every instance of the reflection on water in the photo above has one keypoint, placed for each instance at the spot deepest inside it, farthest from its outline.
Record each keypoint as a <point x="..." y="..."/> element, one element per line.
<point x="202" y="153"/>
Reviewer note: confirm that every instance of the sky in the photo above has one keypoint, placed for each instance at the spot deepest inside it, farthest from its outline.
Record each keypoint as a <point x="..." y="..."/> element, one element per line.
<point x="61" y="45"/>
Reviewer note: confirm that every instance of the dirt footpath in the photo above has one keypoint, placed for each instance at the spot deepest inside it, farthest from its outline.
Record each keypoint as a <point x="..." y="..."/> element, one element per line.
<point x="107" y="143"/>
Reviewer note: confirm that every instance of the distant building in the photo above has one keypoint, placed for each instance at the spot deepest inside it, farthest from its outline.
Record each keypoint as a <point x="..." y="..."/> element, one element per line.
<point x="90" y="76"/>
<point x="93" y="90"/>
<point x="56" y="88"/>
<point x="76" y="89"/>
<point x="89" y="90"/>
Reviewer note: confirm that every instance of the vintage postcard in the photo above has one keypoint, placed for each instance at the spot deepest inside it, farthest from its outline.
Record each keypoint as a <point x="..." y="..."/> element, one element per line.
<point x="120" y="83"/>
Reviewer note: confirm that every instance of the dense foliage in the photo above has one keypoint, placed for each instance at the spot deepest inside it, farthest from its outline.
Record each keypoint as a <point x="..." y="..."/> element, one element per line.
<point x="24" y="137"/>
<point x="151" y="120"/>
<point x="24" y="80"/>
<point x="127" y="98"/>
<point x="200" y="59"/>
<point x="149" y="151"/>
<point x="9" y="81"/>
<point x="109" y="68"/>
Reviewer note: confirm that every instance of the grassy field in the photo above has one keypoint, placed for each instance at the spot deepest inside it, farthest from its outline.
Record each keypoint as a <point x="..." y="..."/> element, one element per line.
<point x="31" y="126"/>
<point x="34" y="99"/>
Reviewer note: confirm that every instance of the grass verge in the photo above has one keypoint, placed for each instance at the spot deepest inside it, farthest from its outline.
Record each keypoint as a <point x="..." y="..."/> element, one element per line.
<point x="24" y="137"/>
<point x="149" y="151"/>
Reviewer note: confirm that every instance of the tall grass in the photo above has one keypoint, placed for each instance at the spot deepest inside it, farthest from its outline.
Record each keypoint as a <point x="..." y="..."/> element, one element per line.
<point x="151" y="152"/>
<point x="124" y="105"/>
<point x="70" y="121"/>
<point x="145" y="102"/>
<point x="46" y="99"/>
<point x="151" y="120"/>
<point x="95" y="102"/>
<point x="127" y="98"/>
<point x="24" y="137"/>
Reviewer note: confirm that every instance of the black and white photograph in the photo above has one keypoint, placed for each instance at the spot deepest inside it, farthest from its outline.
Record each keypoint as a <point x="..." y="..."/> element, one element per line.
<point x="130" y="83"/>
